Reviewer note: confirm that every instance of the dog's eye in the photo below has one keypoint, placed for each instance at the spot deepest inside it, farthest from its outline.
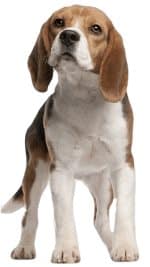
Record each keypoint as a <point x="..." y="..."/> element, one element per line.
<point x="59" y="23"/>
<point x="96" y="29"/>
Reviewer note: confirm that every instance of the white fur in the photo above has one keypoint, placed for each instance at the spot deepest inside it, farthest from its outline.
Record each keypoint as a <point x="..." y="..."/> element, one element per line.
<point x="100" y="187"/>
<point x="12" y="205"/>
<point x="124" y="245"/>
<point x="29" y="230"/>
<point x="62" y="187"/>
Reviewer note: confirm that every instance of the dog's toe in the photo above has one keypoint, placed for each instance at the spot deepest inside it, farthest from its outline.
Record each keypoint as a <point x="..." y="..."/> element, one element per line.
<point x="63" y="255"/>
<point x="124" y="252"/>
<point x="23" y="252"/>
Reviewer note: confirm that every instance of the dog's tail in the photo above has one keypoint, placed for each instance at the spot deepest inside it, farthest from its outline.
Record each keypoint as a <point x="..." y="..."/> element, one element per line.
<point x="14" y="203"/>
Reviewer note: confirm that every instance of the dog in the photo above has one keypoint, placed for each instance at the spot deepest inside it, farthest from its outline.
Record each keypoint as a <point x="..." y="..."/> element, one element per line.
<point x="83" y="131"/>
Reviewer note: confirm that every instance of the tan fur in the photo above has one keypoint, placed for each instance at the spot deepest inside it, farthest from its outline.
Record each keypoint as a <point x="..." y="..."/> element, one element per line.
<point x="114" y="70"/>
<point x="41" y="72"/>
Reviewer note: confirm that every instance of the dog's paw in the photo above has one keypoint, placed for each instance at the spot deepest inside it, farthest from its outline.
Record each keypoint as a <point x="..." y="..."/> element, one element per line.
<point x="124" y="251"/>
<point x="66" y="255"/>
<point x="23" y="252"/>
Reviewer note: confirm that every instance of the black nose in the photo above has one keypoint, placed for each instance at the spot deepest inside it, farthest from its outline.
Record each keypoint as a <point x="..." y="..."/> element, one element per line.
<point x="69" y="37"/>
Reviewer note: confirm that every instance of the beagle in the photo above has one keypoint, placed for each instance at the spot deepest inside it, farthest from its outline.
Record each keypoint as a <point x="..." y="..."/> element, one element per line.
<point x="83" y="131"/>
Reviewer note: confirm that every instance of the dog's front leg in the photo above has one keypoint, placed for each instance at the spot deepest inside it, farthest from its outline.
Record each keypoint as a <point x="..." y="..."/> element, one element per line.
<point x="124" y="246"/>
<point x="66" y="248"/>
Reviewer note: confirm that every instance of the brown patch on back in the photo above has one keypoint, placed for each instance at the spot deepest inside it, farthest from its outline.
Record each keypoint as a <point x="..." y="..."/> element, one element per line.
<point x="128" y="114"/>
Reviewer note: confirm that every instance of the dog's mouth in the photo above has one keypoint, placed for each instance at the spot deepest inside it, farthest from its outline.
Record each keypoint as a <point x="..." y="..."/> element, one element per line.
<point x="68" y="56"/>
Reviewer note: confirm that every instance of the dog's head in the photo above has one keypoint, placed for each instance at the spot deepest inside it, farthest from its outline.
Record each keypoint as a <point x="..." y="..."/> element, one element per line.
<point x="86" y="36"/>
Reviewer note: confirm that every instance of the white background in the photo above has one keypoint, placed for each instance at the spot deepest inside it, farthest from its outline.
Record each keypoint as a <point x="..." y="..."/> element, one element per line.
<point x="20" y="22"/>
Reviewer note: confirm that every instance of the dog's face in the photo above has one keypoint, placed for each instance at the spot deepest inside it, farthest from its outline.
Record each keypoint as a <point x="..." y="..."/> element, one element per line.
<point x="80" y="34"/>
<point x="87" y="37"/>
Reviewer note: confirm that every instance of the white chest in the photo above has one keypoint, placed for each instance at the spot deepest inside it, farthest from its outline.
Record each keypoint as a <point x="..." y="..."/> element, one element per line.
<point x="87" y="136"/>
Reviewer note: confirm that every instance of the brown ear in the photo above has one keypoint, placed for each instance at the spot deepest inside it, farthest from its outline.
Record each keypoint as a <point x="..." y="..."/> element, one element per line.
<point x="41" y="72"/>
<point x="114" y="69"/>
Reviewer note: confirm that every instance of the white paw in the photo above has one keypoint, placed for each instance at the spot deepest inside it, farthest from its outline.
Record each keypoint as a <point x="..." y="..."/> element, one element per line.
<point x="23" y="252"/>
<point x="124" y="251"/>
<point x="66" y="255"/>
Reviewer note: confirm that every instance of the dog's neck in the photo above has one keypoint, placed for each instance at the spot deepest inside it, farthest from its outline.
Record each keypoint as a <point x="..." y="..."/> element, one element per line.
<point x="77" y="84"/>
<point x="78" y="100"/>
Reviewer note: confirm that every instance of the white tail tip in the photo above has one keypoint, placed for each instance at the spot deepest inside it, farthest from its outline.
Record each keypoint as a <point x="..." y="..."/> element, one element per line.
<point x="11" y="206"/>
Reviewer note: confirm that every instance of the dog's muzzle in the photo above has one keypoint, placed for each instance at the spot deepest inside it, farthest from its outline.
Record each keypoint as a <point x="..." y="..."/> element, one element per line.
<point x="69" y="37"/>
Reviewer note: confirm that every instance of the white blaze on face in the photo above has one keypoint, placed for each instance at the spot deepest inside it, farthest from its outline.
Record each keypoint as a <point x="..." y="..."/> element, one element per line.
<point x="80" y="50"/>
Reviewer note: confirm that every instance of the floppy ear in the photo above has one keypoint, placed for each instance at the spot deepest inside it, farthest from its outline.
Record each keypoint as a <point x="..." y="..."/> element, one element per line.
<point x="41" y="72"/>
<point x="114" y="69"/>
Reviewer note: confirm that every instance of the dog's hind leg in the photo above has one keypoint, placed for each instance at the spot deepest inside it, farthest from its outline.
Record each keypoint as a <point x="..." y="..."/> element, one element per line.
<point x="101" y="190"/>
<point x="34" y="183"/>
